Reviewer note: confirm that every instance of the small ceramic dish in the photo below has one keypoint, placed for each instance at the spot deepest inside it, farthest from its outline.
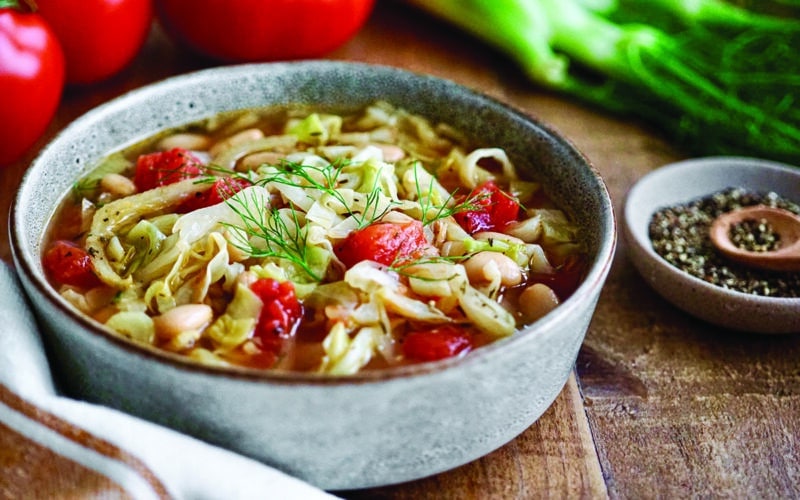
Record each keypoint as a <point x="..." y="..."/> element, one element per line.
<point x="682" y="182"/>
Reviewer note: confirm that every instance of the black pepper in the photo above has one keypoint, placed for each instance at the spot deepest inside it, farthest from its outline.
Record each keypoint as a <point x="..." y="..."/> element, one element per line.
<point x="755" y="236"/>
<point x="680" y="235"/>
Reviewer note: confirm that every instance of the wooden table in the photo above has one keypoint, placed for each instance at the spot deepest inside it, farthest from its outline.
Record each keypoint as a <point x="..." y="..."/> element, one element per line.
<point x="660" y="404"/>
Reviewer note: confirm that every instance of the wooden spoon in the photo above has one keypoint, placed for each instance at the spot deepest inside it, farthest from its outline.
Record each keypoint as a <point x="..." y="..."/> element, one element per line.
<point x="785" y="223"/>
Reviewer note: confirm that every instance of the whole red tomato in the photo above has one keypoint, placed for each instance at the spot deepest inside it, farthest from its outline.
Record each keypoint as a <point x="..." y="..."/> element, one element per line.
<point x="258" y="30"/>
<point x="31" y="81"/>
<point x="99" y="37"/>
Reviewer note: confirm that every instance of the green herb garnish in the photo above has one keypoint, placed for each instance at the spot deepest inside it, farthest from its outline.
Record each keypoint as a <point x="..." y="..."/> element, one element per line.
<point x="282" y="240"/>
<point x="330" y="173"/>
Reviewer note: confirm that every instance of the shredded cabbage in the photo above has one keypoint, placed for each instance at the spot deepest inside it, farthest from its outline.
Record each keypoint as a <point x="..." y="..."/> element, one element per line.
<point x="322" y="179"/>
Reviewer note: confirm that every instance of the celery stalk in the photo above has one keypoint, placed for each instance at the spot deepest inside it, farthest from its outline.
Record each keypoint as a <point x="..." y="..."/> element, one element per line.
<point x="520" y="29"/>
<point x="686" y="12"/>
<point x="716" y="78"/>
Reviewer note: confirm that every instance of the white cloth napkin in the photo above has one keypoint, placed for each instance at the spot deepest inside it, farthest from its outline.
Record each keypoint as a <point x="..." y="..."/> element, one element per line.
<point x="142" y="459"/>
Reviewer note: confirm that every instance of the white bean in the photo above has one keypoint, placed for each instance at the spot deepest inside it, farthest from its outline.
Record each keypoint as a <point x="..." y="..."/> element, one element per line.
<point x="246" y="135"/>
<point x="193" y="142"/>
<point x="117" y="184"/>
<point x="536" y="301"/>
<point x="484" y="267"/>
<point x="188" y="317"/>
<point x="182" y="341"/>
<point x="255" y="160"/>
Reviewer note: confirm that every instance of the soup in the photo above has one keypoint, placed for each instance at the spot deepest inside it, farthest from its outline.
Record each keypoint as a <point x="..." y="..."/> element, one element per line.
<point x="296" y="239"/>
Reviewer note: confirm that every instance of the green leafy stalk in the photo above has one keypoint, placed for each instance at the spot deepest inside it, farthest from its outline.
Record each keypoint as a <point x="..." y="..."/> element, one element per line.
<point x="670" y="15"/>
<point x="717" y="78"/>
<point x="517" y="28"/>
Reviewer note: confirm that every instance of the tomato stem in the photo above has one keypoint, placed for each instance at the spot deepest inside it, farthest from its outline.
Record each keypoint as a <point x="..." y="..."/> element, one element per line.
<point x="24" y="6"/>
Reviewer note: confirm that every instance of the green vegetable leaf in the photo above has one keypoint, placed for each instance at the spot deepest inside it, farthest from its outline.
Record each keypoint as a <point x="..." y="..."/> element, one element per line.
<point x="716" y="78"/>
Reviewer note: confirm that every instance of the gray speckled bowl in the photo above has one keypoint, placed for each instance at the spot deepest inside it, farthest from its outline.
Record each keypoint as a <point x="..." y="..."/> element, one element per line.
<point x="688" y="180"/>
<point x="338" y="433"/>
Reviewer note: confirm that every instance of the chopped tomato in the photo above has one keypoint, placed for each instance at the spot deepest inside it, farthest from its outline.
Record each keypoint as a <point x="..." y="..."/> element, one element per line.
<point x="69" y="264"/>
<point x="494" y="209"/>
<point x="437" y="343"/>
<point x="279" y="315"/>
<point x="222" y="189"/>
<point x="382" y="242"/>
<point x="165" y="167"/>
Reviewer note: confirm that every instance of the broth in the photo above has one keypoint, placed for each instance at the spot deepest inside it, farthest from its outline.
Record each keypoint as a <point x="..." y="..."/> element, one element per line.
<point x="297" y="240"/>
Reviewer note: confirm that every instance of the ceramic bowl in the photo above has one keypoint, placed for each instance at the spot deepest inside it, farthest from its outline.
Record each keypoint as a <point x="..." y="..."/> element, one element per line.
<point x="366" y="430"/>
<point x="688" y="180"/>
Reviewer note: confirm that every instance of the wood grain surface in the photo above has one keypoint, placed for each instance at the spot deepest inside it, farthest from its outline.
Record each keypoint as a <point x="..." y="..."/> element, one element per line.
<point x="661" y="405"/>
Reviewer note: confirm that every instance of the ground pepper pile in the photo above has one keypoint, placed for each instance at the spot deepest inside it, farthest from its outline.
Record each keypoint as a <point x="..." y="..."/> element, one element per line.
<point x="680" y="234"/>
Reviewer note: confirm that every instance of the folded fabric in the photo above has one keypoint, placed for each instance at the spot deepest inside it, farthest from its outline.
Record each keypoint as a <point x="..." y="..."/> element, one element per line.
<point x="52" y="446"/>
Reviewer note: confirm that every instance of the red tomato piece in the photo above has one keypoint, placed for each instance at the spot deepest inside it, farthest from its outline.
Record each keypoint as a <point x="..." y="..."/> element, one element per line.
<point x="254" y="30"/>
<point x="165" y="167"/>
<point x="437" y="343"/>
<point x="31" y="81"/>
<point x="69" y="264"/>
<point x="382" y="242"/>
<point x="222" y="189"/>
<point x="99" y="37"/>
<point x="279" y="315"/>
<point x="494" y="209"/>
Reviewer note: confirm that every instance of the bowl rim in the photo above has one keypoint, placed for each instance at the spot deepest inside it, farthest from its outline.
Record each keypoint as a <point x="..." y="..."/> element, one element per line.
<point x="25" y="259"/>
<point x="636" y="202"/>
